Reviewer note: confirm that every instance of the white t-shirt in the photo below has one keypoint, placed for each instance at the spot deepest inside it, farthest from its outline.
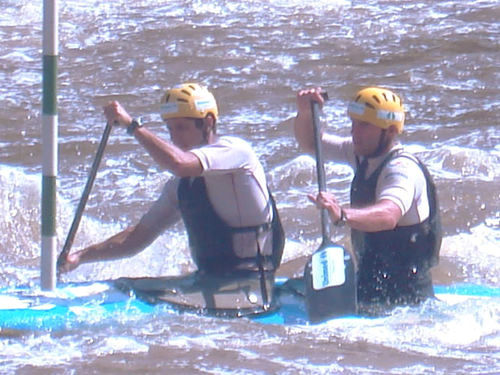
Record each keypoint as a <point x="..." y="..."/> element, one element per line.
<point x="236" y="186"/>
<point x="401" y="180"/>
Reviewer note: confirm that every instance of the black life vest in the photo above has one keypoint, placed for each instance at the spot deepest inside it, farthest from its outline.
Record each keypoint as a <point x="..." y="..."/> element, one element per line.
<point x="211" y="239"/>
<point x="394" y="265"/>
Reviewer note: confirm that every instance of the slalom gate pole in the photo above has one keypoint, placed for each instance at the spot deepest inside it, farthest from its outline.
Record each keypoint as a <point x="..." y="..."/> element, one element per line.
<point x="49" y="145"/>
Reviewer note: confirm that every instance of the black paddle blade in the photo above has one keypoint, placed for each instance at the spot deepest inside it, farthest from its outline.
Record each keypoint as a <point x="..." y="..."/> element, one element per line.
<point x="330" y="284"/>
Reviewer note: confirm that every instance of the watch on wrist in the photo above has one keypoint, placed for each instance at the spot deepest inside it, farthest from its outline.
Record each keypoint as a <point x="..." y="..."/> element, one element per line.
<point x="133" y="126"/>
<point x="342" y="220"/>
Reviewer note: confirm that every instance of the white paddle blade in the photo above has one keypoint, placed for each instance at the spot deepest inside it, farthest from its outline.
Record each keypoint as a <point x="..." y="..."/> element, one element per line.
<point x="328" y="267"/>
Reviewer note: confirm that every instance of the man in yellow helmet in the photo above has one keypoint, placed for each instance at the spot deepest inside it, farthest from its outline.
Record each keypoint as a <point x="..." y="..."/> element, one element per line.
<point x="219" y="191"/>
<point x="394" y="214"/>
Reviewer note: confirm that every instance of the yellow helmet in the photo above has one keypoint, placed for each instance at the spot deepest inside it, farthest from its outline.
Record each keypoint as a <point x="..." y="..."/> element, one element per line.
<point x="379" y="107"/>
<point x="188" y="100"/>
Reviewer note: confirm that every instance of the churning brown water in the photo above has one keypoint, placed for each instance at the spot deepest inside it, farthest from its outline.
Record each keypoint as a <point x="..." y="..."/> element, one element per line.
<point x="443" y="57"/>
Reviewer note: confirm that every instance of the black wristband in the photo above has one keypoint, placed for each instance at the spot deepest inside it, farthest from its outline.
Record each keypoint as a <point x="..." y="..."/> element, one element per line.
<point x="342" y="220"/>
<point x="133" y="126"/>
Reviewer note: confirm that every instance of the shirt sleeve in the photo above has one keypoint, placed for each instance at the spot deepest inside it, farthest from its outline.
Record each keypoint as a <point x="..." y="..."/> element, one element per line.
<point x="226" y="155"/>
<point x="398" y="183"/>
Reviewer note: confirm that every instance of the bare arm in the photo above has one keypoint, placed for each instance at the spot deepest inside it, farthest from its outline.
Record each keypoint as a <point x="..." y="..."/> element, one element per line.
<point x="302" y="126"/>
<point x="166" y="154"/>
<point x="383" y="215"/>
<point x="169" y="156"/>
<point x="132" y="240"/>
<point x="127" y="243"/>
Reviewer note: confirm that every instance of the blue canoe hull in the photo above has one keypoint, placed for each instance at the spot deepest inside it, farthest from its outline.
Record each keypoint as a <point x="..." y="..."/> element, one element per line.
<point x="75" y="305"/>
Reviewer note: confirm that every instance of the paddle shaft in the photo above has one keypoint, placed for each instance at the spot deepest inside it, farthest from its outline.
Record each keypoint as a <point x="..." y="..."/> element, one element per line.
<point x="262" y="276"/>
<point x="85" y="196"/>
<point x="320" y="169"/>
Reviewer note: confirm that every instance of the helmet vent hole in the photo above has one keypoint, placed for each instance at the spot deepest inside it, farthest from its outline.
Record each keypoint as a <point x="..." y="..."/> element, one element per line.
<point x="186" y="92"/>
<point x="394" y="98"/>
<point x="357" y="98"/>
<point x="376" y="98"/>
<point x="385" y="97"/>
<point x="182" y="100"/>
<point x="167" y="98"/>
<point x="370" y="105"/>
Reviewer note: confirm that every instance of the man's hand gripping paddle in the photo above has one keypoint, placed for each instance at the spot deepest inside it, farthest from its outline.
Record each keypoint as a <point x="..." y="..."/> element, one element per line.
<point x="329" y="275"/>
<point x="61" y="260"/>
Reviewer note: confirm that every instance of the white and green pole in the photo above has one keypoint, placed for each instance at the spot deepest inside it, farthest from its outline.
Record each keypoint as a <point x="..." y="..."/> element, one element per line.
<point x="49" y="144"/>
